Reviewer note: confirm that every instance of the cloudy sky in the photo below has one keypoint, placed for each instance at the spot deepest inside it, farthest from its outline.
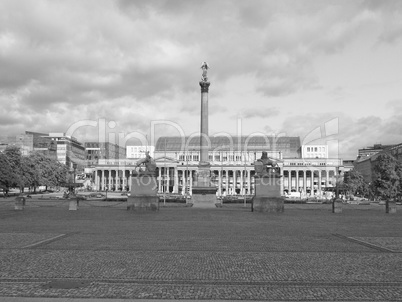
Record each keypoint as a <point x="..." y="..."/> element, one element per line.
<point x="327" y="70"/>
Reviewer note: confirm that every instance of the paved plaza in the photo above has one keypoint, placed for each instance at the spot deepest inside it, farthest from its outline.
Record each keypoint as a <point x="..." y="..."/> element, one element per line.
<point x="230" y="253"/>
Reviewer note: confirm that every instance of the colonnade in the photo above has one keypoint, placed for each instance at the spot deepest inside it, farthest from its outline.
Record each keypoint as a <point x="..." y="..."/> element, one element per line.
<point x="308" y="180"/>
<point x="229" y="180"/>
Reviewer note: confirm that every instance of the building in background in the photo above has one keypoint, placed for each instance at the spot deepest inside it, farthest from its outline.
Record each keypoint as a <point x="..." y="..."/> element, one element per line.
<point x="314" y="151"/>
<point x="43" y="143"/>
<point x="22" y="141"/>
<point x="139" y="151"/>
<point x="348" y="164"/>
<point x="365" y="164"/>
<point x="68" y="150"/>
<point x="232" y="165"/>
<point x="369" y="151"/>
<point x="102" y="150"/>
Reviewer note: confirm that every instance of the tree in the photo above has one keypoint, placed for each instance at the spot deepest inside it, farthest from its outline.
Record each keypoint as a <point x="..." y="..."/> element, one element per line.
<point x="354" y="183"/>
<point x="29" y="174"/>
<point x="14" y="157"/>
<point x="7" y="176"/>
<point x="49" y="172"/>
<point x="386" y="179"/>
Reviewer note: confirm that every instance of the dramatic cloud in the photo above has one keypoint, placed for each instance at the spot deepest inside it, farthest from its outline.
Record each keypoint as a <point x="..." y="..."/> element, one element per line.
<point x="132" y="62"/>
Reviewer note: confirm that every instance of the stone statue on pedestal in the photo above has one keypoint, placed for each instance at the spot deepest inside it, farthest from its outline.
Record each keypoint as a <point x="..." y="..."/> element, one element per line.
<point x="148" y="162"/>
<point x="266" y="165"/>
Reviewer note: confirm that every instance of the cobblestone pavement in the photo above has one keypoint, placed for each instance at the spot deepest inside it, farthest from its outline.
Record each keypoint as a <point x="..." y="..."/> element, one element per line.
<point x="103" y="251"/>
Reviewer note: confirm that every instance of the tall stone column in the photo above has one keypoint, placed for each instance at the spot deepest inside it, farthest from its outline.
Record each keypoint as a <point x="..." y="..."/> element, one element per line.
<point x="203" y="192"/>
<point x="204" y="148"/>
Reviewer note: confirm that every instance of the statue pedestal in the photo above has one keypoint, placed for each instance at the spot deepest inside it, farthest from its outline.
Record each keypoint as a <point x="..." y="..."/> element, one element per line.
<point x="19" y="203"/>
<point x="143" y="195"/>
<point x="390" y="207"/>
<point x="268" y="194"/>
<point x="73" y="205"/>
<point x="204" y="195"/>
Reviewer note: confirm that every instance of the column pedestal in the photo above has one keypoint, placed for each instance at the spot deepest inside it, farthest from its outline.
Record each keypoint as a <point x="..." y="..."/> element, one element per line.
<point x="203" y="194"/>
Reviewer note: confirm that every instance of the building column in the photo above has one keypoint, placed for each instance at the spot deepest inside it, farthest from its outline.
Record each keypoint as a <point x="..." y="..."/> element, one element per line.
<point x="312" y="182"/>
<point x="241" y="182"/>
<point x="282" y="173"/>
<point x="184" y="182"/>
<point x="130" y="180"/>
<point x="234" y="181"/>
<point x="110" y="180"/>
<point x="124" y="179"/>
<point x="117" y="180"/>
<point x="219" y="182"/>
<point x="96" y="180"/>
<point x="103" y="180"/>
<point x="319" y="182"/>
<point x="167" y="182"/>
<point x="227" y="181"/>
<point x="249" y="182"/>
<point x="160" y="180"/>
<point x="191" y="182"/>
<point x="176" y="180"/>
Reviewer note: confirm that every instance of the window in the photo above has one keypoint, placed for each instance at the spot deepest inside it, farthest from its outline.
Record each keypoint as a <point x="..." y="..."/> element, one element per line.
<point x="308" y="149"/>
<point x="195" y="158"/>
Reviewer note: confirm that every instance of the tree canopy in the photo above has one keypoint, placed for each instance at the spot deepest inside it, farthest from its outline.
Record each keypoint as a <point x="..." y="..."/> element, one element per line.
<point x="387" y="181"/>
<point x="354" y="184"/>
<point x="34" y="170"/>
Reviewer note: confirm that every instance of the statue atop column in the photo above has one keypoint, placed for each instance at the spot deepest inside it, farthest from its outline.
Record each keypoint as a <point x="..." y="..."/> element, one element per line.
<point x="204" y="67"/>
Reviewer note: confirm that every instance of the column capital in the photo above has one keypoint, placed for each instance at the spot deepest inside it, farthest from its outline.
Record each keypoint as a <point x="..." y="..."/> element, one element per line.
<point x="204" y="86"/>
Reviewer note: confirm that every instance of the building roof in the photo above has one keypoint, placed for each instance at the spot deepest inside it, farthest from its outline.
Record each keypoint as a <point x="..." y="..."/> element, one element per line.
<point x="289" y="146"/>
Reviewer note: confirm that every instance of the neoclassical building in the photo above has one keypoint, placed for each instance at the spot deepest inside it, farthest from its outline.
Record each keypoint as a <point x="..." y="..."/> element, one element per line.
<point x="305" y="169"/>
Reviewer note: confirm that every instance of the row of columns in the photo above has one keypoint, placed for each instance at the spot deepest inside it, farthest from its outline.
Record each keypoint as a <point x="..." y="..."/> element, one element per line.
<point x="175" y="180"/>
<point x="228" y="180"/>
<point x="299" y="181"/>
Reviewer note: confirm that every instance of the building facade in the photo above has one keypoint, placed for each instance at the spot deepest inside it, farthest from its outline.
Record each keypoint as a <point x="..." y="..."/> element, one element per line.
<point x="95" y="151"/>
<point x="139" y="151"/>
<point x="69" y="150"/>
<point x="232" y="165"/>
<point x="365" y="164"/>
<point x="23" y="141"/>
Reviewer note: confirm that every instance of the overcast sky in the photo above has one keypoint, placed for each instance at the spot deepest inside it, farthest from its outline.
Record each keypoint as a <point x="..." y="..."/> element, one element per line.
<point x="329" y="69"/>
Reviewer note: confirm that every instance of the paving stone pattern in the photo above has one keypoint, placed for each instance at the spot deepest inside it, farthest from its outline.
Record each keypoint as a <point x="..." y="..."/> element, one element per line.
<point x="185" y="253"/>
